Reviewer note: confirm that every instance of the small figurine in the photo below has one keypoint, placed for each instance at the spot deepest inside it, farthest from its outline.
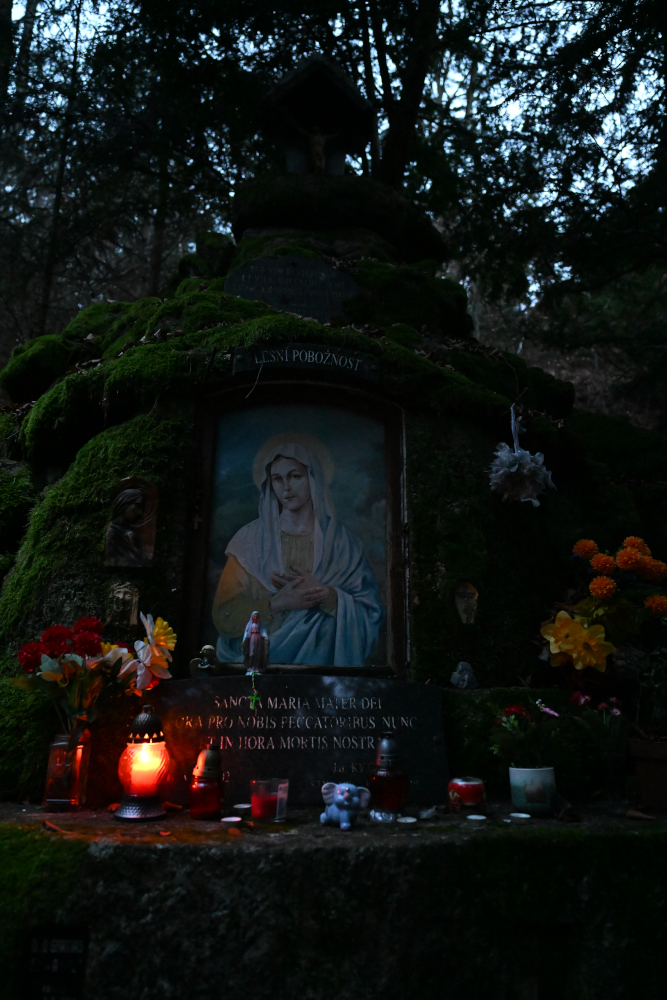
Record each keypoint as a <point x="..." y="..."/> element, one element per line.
<point x="343" y="803"/>
<point x="206" y="664"/>
<point x="255" y="646"/>
<point x="463" y="676"/>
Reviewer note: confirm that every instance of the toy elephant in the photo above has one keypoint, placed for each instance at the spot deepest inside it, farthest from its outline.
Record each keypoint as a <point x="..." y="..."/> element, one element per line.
<point x="342" y="803"/>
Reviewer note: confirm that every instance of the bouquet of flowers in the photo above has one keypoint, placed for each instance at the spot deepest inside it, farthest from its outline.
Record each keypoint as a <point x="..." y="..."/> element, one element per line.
<point x="521" y="735"/>
<point x="74" y="667"/>
<point x="622" y="595"/>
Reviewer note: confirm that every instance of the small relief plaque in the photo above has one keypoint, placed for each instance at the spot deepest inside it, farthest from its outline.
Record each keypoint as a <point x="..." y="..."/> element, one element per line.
<point x="130" y="535"/>
<point x="300" y="285"/>
<point x="327" y="360"/>
<point x="306" y="728"/>
<point x="57" y="963"/>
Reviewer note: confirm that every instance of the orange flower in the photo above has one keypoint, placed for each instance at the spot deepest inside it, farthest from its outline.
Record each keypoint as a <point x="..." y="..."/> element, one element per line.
<point x="653" y="569"/>
<point x="602" y="587"/>
<point x="630" y="559"/>
<point x="603" y="564"/>
<point x="586" y="548"/>
<point x="633" y="542"/>
<point x="657" y="604"/>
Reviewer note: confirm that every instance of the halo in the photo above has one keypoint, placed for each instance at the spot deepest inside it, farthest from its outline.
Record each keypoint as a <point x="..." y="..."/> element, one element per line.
<point x="307" y="441"/>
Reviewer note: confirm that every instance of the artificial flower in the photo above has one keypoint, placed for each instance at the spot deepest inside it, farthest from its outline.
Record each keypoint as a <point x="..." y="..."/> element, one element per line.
<point x="602" y="588"/>
<point x="30" y="656"/>
<point x="653" y="570"/>
<point x="657" y="604"/>
<point x="86" y="643"/>
<point x="586" y="548"/>
<point x="152" y="654"/>
<point x="629" y="559"/>
<point x="546" y="710"/>
<point x="559" y="630"/>
<point x="604" y="564"/>
<point x="579" y="699"/>
<point x="516" y="710"/>
<point x="633" y="542"/>
<point x="587" y="647"/>
<point x="88" y="625"/>
<point x="56" y="640"/>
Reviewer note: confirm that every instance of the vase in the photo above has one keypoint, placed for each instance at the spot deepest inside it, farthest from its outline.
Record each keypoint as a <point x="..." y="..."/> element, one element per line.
<point x="651" y="763"/>
<point x="534" y="790"/>
<point x="67" y="772"/>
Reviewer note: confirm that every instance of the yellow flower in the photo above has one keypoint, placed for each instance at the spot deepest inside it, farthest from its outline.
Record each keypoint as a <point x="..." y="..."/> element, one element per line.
<point x="163" y="634"/>
<point x="107" y="647"/>
<point x="587" y="647"/>
<point x="559" y="631"/>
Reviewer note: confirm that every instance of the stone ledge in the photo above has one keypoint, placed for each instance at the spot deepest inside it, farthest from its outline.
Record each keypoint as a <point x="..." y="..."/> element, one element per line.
<point x="547" y="910"/>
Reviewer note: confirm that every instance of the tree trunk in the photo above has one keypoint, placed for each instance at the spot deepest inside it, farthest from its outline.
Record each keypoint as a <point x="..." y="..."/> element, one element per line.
<point x="400" y="139"/>
<point x="370" y="87"/>
<point x="6" y="47"/>
<point x="52" y="250"/>
<point x="159" y="227"/>
<point x="22" y="71"/>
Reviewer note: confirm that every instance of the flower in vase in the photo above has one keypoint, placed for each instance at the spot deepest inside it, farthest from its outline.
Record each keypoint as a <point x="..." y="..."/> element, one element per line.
<point x="630" y="559"/>
<point x="586" y="548"/>
<point x="30" y="656"/>
<point x="657" y="604"/>
<point x="559" y="630"/>
<point x="602" y="588"/>
<point x="87" y="625"/>
<point x="579" y="699"/>
<point x="56" y="640"/>
<point x="588" y="648"/>
<point x="604" y="564"/>
<point x="633" y="542"/>
<point x="653" y="570"/>
<point x="546" y="709"/>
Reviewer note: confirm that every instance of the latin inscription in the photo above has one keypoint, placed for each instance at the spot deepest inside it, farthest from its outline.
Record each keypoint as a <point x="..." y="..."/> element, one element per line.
<point x="309" y="729"/>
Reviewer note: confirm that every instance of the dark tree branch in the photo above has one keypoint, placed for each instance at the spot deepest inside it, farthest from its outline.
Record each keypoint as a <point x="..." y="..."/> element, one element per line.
<point x="400" y="140"/>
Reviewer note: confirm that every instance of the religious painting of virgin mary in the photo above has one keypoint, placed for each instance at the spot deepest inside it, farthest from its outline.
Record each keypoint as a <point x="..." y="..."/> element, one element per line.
<point x="298" y="534"/>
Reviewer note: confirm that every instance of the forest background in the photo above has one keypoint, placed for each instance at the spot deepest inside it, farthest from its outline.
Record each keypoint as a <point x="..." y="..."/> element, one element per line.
<point x="533" y="132"/>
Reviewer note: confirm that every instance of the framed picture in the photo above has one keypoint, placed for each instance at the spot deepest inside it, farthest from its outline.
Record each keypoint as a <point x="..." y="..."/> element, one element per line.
<point x="303" y="522"/>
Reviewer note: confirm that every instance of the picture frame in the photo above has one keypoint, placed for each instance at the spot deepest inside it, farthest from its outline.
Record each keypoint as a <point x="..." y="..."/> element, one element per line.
<point x="391" y="653"/>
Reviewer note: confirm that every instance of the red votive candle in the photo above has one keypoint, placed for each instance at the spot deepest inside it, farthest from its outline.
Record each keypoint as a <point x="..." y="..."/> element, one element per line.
<point x="268" y="799"/>
<point x="466" y="793"/>
<point x="263" y="806"/>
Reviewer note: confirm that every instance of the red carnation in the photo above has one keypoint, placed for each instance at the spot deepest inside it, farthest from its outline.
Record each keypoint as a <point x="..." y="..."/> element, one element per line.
<point x="86" y="644"/>
<point x="30" y="656"/>
<point x="516" y="710"/>
<point x="88" y="625"/>
<point x="56" y="640"/>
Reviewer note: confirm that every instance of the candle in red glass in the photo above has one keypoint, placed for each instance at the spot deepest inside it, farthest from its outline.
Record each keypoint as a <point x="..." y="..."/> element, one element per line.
<point x="268" y="799"/>
<point x="389" y="785"/>
<point x="205" y="791"/>
<point x="263" y="806"/>
<point x="143" y="766"/>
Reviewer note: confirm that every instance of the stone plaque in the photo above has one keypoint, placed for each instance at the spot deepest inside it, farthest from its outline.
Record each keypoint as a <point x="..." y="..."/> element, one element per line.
<point x="328" y="360"/>
<point x="306" y="728"/>
<point x="299" y="285"/>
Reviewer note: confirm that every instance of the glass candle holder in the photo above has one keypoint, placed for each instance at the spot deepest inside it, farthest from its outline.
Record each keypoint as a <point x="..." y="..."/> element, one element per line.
<point x="268" y="799"/>
<point x="67" y="772"/>
<point x="143" y="766"/>
<point x="205" y="793"/>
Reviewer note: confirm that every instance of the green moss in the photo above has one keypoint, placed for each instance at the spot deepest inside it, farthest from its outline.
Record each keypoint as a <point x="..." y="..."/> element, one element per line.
<point x="59" y="572"/>
<point x="38" y="872"/>
<point x="96" y="319"/>
<point x="409" y="295"/>
<point x="17" y="494"/>
<point x="129" y="328"/>
<point x="28" y="374"/>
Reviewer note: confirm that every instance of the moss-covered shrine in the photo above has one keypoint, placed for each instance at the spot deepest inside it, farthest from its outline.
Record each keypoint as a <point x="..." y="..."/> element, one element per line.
<point x="116" y="394"/>
<point x="121" y="393"/>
